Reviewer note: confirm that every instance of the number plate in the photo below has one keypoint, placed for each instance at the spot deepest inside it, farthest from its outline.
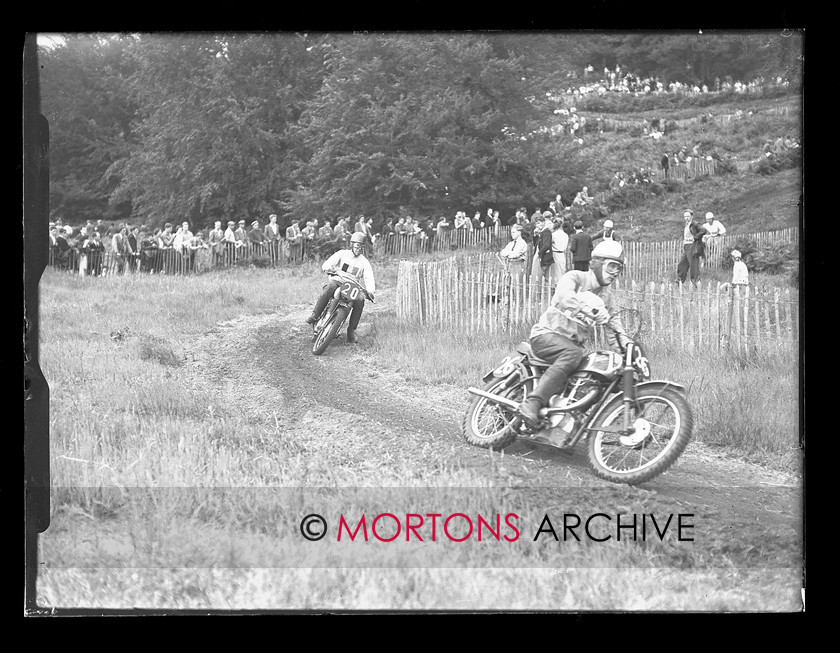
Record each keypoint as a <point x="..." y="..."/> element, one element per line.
<point x="507" y="367"/>
<point x="351" y="291"/>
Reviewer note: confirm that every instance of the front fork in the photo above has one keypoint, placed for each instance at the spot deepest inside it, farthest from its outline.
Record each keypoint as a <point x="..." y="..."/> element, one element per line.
<point x="628" y="387"/>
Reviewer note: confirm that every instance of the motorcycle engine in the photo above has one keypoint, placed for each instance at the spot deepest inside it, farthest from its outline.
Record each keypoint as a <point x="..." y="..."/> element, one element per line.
<point x="576" y="388"/>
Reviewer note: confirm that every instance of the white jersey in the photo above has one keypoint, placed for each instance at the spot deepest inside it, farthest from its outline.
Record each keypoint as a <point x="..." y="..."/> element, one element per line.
<point x="356" y="268"/>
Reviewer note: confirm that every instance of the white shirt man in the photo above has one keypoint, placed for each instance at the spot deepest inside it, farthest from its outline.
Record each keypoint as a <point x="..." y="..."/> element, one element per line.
<point x="559" y="243"/>
<point x="713" y="227"/>
<point x="515" y="252"/>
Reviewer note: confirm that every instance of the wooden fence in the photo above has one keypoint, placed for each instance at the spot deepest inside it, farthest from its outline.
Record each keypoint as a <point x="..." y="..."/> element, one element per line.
<point x="657" y="260"/>
<point x="472" y="297"/>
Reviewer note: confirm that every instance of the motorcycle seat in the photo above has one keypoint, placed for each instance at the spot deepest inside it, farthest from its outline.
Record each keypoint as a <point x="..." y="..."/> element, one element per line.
<point x="525" y="348"/>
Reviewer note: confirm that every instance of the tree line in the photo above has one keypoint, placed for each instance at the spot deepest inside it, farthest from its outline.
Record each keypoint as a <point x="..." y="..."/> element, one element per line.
<point x="203" y="127"/>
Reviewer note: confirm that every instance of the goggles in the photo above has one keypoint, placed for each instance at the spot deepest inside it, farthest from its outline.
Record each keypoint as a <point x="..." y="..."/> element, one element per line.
<point x="613" y="267"/>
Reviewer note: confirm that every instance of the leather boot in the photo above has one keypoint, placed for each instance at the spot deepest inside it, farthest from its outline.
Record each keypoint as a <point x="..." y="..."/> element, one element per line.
<point x="312" y="319"/>
<point x="351" y="335"/>
<point x="530" y="411"/>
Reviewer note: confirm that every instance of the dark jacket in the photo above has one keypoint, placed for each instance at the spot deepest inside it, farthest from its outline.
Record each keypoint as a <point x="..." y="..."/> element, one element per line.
<point x="580" y="244"/>
<point x="544" y="248"/>
<point x="699" y="247"/>
<point x="528" y="233"/>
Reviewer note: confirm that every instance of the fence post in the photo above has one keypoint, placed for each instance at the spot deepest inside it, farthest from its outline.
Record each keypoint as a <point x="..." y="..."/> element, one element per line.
<point x="682" y="319"/>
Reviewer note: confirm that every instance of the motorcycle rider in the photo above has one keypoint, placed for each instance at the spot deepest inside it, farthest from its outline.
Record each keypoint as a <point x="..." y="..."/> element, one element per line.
<point x="347" y="264"/>
<point x="558" y="339"/>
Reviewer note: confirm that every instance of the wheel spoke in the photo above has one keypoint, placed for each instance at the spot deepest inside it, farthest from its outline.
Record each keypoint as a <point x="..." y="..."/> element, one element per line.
<point x="663" y="427"/>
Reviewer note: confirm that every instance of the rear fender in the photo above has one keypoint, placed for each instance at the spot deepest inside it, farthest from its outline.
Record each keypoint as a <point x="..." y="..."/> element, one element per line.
<point x="510" y="366"/>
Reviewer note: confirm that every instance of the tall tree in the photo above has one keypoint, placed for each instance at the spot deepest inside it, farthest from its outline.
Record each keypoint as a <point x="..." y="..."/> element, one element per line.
<point x="429" y="123"/>
<point x="90" y="114"/>
<point x="214" y="112"/>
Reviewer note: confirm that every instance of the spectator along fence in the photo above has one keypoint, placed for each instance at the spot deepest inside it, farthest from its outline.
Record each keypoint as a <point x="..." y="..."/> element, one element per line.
<point x="473" y="297"/>
<point x="195" y="260"/>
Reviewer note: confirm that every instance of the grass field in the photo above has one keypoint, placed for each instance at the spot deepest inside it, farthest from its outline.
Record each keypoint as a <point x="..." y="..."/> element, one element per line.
<point x="129" y="422"/>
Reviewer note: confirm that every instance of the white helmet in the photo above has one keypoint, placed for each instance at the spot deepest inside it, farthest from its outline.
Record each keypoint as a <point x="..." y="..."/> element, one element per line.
<point x="358" y="237"/>
<point x="608" y="224"/>
<point x="610" y="249"/>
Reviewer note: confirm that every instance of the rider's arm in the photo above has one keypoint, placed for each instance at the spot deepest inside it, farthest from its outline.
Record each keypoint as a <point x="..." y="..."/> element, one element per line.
<point x="566" y="294"/>
<point x="370" y="284"/>
<point x="332" y="262"/>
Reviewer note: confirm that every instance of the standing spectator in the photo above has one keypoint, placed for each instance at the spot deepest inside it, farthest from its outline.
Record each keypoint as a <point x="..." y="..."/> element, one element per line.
<point x="388" y="228"/>
<point x="364" y="225"/>
<point x="607" y="233"/>
<point x="256" y="238"/>
<point x="230" y="242"/>
<point x="294" y="238"/>
<point x="63" y="248"/>
<point x="121" y="248"/>
<point x="341" y="232"/>
<point x="535" y="266"/>
<point x="544" y="247"/>
<point x="665" y="162"/>
<point x="514" y="254"/>
<point x="399" y="228"/>
<point x="528" y="230"/>
<point x="95" y="250"/>
<point x="442" y="226"/>
<point x="326" y="231"/>
<point x="272" y="236"/>
<point x="496" y="223"/>
<point x="476" y="221"/>
<point x="740" y="274"/>
<point x="713" y="228"/>
<point x="215" y="240"/>
<point x="165" y="261"/>
<point x="580" y="245"/>
<point x="134" y="241"/>
<point x="428" y="229"/>
<point x="559" y="243"/>
<point x="240" y="234"/>
<point x="692" y="237"/>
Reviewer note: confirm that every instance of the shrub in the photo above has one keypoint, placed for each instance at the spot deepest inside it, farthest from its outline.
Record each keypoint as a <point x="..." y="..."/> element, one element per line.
<point x="773" y="258"/>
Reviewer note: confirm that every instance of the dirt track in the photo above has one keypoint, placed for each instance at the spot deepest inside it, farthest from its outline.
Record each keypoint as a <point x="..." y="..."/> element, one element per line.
<point x="389" y="421"/>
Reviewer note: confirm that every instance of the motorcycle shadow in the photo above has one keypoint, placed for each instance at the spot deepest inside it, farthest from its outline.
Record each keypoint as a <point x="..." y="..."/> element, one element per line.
<point x="536" y="450"/>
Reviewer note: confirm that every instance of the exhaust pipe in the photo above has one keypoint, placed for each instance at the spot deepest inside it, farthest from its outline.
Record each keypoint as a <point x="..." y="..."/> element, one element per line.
<point x="496" y="399"/>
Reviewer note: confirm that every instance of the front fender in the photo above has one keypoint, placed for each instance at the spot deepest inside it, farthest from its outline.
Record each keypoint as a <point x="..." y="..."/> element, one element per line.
<point x="662" y="385"/>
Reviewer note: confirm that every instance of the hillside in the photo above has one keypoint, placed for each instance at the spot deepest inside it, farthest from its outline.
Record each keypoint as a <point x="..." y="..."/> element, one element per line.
<point x="744" y="201"/>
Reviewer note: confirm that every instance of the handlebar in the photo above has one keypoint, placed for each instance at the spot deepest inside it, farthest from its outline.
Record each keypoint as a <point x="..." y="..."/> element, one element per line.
<point x="333" y="273"/>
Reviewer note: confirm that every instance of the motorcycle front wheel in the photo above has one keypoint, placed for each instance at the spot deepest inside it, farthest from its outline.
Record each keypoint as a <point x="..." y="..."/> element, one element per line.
<point x="662" y="424"/>
<point x="490" y="425"/>
<point x="330" y="330"/>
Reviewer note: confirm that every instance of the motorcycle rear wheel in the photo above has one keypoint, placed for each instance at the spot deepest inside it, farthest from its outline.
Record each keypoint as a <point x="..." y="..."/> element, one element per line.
<point x="330" y="330"/>
<point x="490" y="425"/>
<point x="666" y="414"/>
